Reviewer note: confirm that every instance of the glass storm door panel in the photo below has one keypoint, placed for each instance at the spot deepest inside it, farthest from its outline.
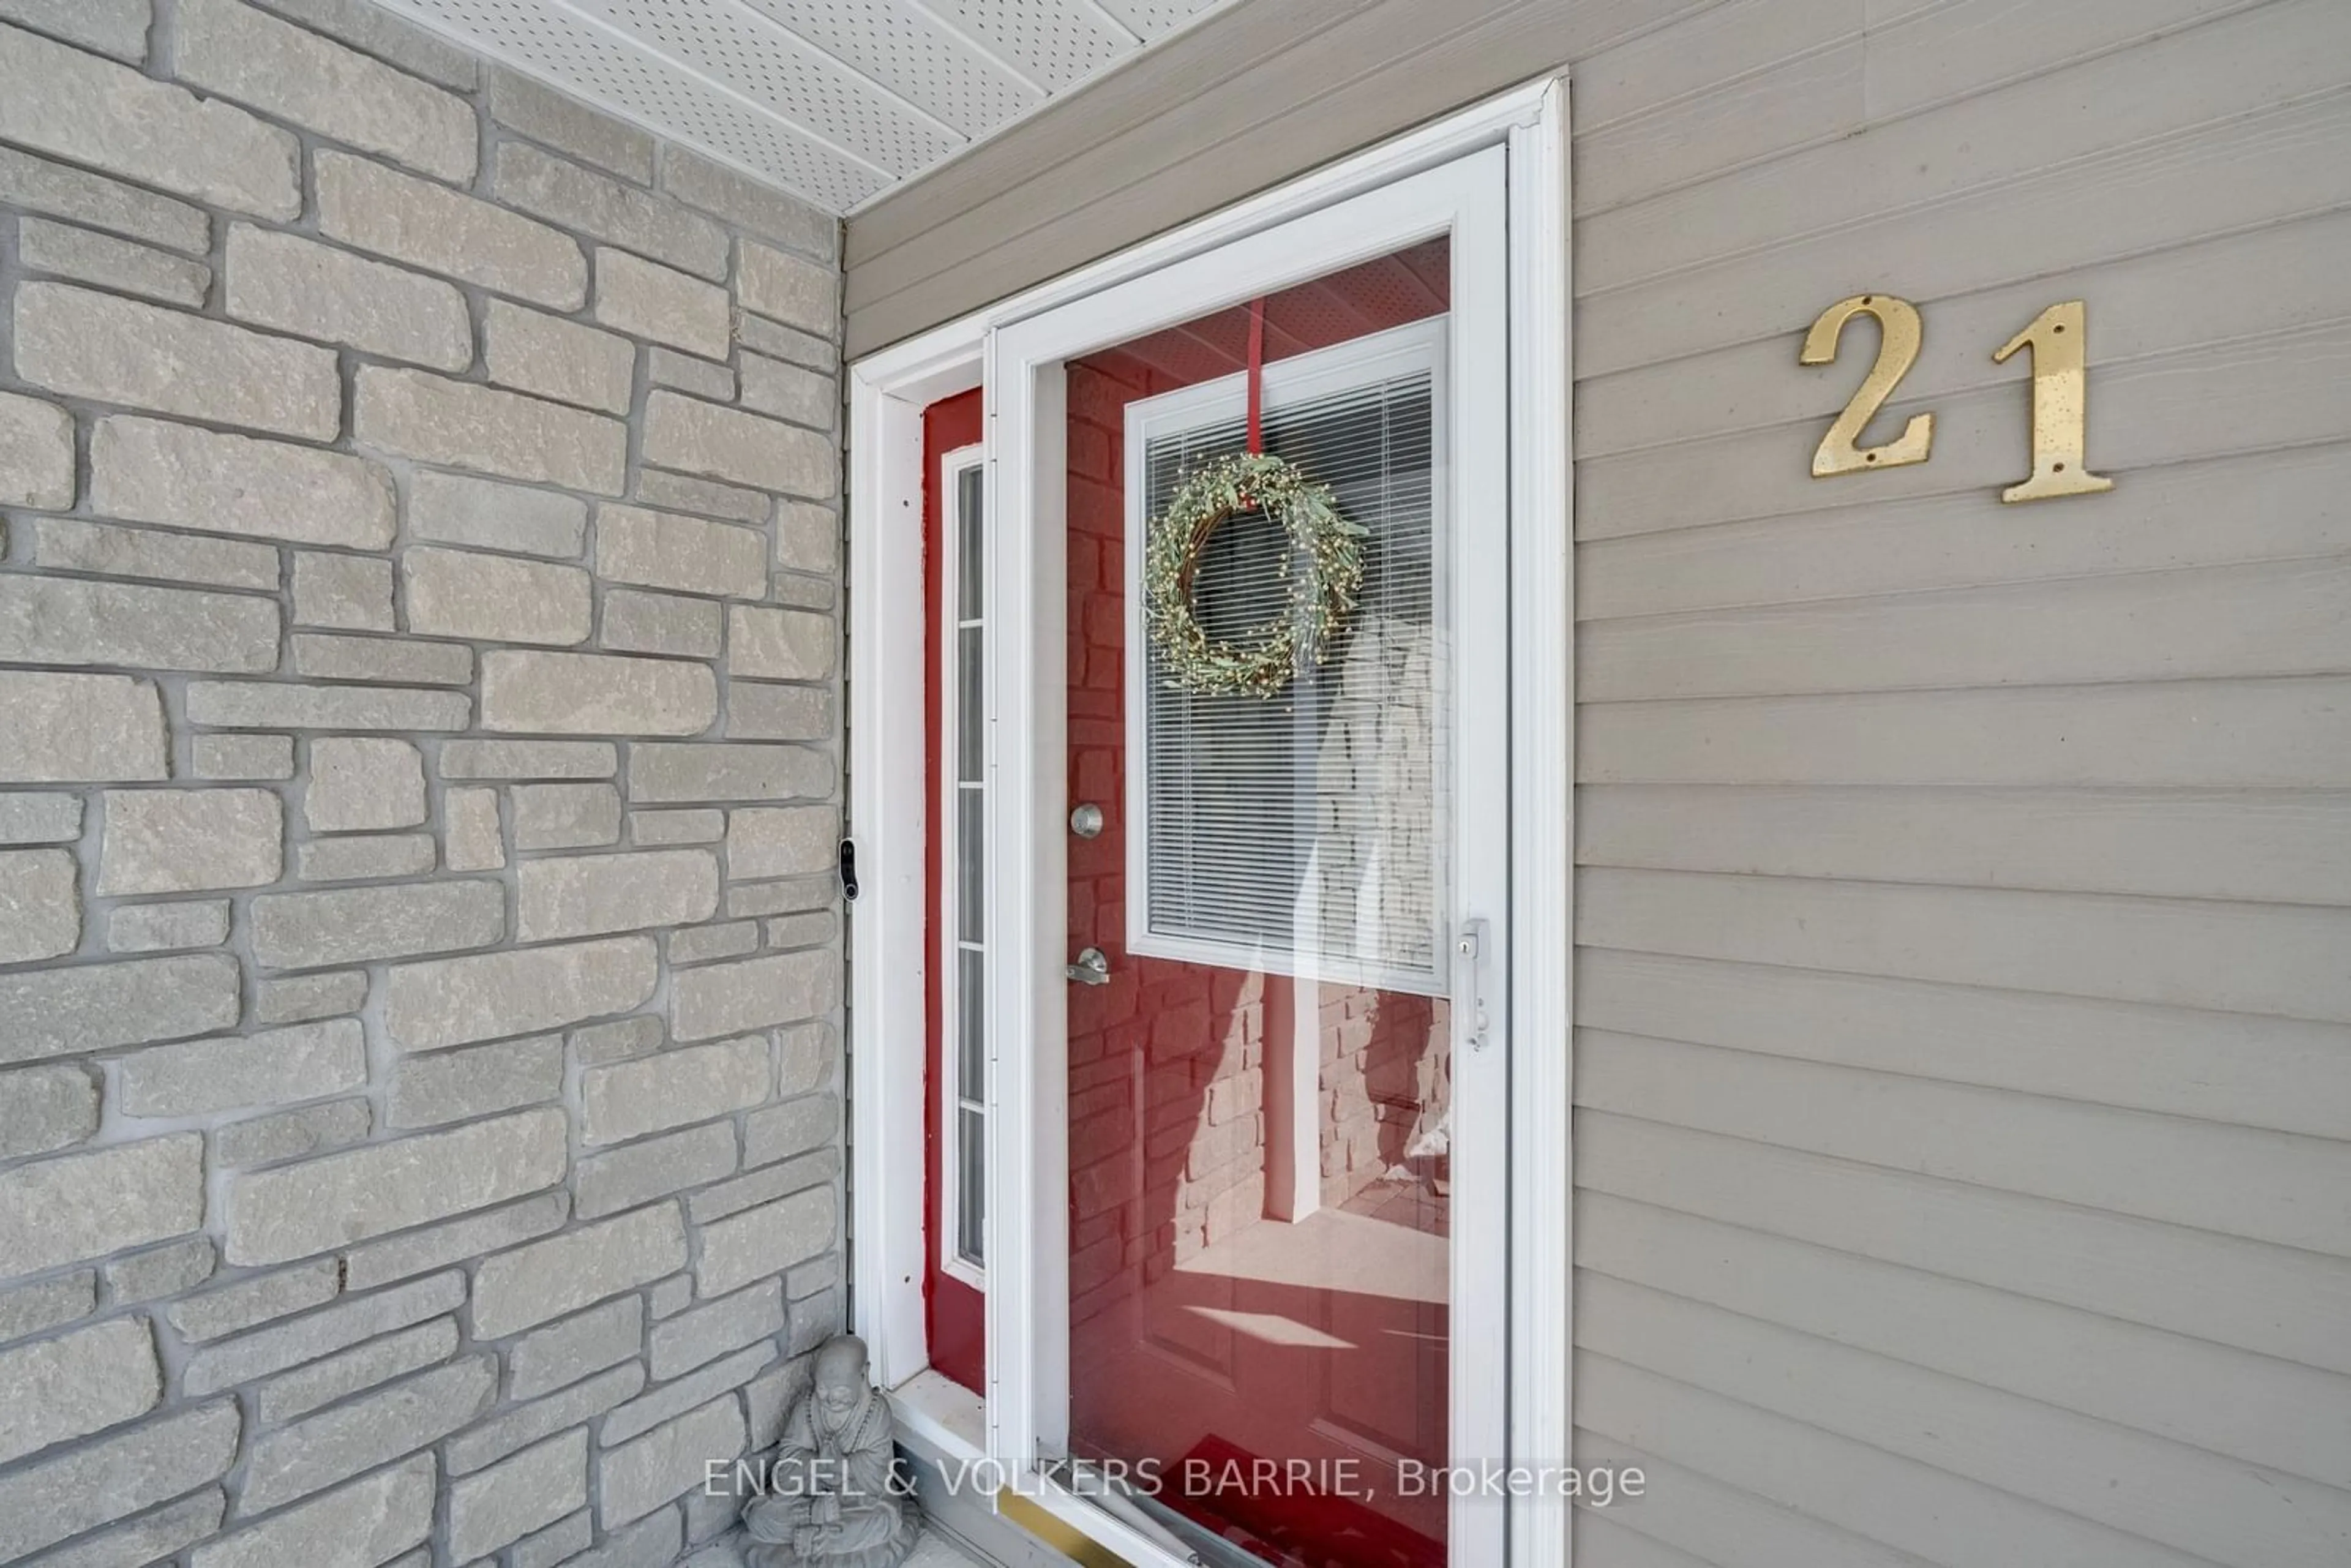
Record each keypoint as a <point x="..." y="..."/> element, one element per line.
<point x="1264" y="1086"/>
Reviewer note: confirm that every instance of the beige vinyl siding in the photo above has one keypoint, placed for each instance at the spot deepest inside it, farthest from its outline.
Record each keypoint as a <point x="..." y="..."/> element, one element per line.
<point x="1963" y="980"/>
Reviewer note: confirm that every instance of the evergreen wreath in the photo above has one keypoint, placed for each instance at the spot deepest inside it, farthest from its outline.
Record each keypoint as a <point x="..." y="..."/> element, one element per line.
<point x="1319" y="595"/>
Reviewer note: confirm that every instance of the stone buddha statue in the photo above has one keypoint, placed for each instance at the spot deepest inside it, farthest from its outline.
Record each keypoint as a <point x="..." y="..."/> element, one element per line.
<point x="834" y="1498"/>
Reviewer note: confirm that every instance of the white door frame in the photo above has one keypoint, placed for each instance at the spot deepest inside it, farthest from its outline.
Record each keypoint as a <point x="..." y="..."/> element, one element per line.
<point x="888" y="779"/>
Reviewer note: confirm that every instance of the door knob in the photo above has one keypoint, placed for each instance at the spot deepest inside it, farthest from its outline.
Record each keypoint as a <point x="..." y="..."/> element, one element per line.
<point x="1092" y="968"/>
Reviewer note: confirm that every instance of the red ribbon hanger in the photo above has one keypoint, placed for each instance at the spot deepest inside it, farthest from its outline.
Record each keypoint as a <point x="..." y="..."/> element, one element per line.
<point x="1257" y="376"/>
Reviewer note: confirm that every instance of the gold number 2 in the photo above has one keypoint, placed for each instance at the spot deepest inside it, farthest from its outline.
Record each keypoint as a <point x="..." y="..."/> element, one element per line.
<point x="2060" y="395"/>
<point x="1897" y="322"/>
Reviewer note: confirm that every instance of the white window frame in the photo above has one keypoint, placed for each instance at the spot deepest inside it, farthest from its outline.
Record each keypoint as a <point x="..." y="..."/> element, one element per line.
<point x="1415" y="347"/>
<point x="889" y="781"/>
<point x="952" y="466"/>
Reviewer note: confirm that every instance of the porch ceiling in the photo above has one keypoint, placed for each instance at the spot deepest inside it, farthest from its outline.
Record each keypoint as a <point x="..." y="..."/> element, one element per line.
<point x="837" y="99"/>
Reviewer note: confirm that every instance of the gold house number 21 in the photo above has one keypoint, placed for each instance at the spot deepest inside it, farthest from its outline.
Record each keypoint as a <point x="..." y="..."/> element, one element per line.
<point x="2060" y="395"/>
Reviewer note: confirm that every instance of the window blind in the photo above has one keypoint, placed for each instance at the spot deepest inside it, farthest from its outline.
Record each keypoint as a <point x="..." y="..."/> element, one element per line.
<point x="1305" y="833"/>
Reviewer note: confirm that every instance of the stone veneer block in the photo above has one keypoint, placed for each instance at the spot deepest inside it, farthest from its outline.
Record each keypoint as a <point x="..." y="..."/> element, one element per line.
<point x="146" y="471"/>
<point x="454" y="1001"/>
<point x="736" y="770"/>
<point x="458" y="509"/>
<point x="296" y="1211"/>
<point x="798" y="1125"/>
<point x="255" y="1300"/>
<point x="79" y="730"/>
<point x="784" y="841"/>
<point x="662" y="305"/>
<point x="363" y="785"/>
<point x="543" y="113"/>
<point x="464" y="425"/>
<point x="167" y="1271"/>
<point x="325" y="1449"/>
<point x="788" y="392"/>
<point x="748" y="204"/>
<point x="67" y="620"/>
<point x="517" y="1429"/>
<point x="97" y="1483"/>
<point x="60" y="101"/>
<point x="396" y="662"/>
<point x="367" y="924"/>
<point x="559" y="358"/>
<point x="116" y="27"/>
<point x="370" y="1366"/>
<point x="64" y="544"/>
<point x="39" y="819"/>
<point x="36" y="453"/>
<point x="191" y="841"/>
<point x="365" y="1268"/>
<point x="789" y="288"/>
<point x="299" y="998"/>
<point x="369" y="1522"/>
<point x="674" y="1089"/>
<point x="698" y="378"/>
<point x="476" y="841"/>
<point x="495" y="598"/>
<point x="452" y="1086"/>
<point x="596" y="694"/>
<point x="312" y="291"/>
<point x="662" y="549"/>
<point x="509" y="759"/>
<point x="549" y="1279"/>
<point x="566" y="1352"/>
<point x="113" y="349"/>
<point x="351" y="1322"/>
<point x="238" y="758"/>
<point x="669" y="1461"/>
<point x="44" y="1109"/>
<point x="505" y="1502"/>
<point x="369" y="857"/>
<point x="380" y="210"/>
<point x="277" y="1067"/>
<point x="564" y="192"/>
<point x="227" y="47"/>
<point x="684" y="493"/>
<point x="350" y="591"/>
<point x="61" y="250"/>
<point x="40" y="904"/>
<point x="161" y="927"/>
<point x="766" y="1240"/>
<point x="763" y="643"/>
<point x="655" y="1167"/>
<point x="807" y="537"/>
<point x="731" y="998"/>
<point x="151" y="1538"/>
<point x="254" y="705"/>
<point x="699" y="1337"/>
<point x="289" y="1134"/>
<point x="78" y="1207"/>
<point x="37" y="185"/>
<point x="566" y="816"/>
<point x="666" y="624"/>
<point x="721" y="443"/>
<point x="463" y="511"/>
<point x="365" y="25"/>
<point x="595" y="895"/>
<point x="780" y="713"/>
<point x="54" y="1012"/>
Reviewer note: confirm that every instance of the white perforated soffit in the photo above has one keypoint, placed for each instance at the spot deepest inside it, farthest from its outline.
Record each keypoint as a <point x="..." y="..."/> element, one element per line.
<point x="838" y="101"/>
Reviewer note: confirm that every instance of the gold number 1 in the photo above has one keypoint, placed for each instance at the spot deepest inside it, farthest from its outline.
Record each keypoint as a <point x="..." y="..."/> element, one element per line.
<point x="2061" y="390"/>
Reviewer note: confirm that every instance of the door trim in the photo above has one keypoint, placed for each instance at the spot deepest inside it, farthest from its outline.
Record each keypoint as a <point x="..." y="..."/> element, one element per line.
<point x="888" y="770"/>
